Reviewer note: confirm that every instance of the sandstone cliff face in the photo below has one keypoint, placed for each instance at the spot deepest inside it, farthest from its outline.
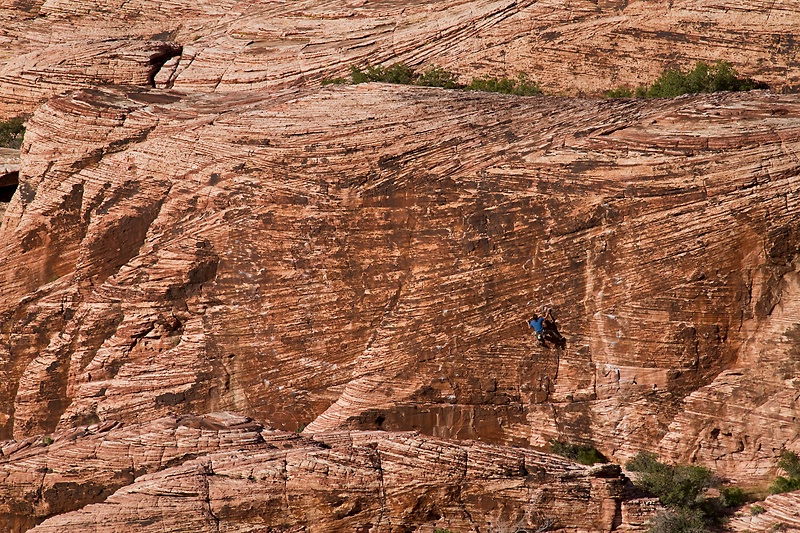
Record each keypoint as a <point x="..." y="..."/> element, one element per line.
<point x="780" y="514"/>
<point x="363" y="257"/>
<point x="225" y="473"/>
<point x="199" y="227"/>
<point x="577" y="46"/>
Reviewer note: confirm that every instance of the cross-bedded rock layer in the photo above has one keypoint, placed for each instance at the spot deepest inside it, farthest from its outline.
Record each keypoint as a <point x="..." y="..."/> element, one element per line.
<point x="364" y="257"/>
<point x="577" y="46"/>
<point x="221" y="472"/>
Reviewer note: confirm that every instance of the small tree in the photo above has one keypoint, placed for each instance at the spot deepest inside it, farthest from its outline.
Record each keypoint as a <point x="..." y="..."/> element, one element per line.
<point x="789" y="463"/>
<point x="675" y="486"/>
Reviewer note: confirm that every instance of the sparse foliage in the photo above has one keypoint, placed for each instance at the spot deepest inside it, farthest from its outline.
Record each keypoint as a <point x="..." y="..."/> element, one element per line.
<point x="585" y="455"/>
<point x="680" y="521"/>
<point x="675" y="486"/>
<point x="789" y="463"/>
<point x="704" y="78"/>
<point x="11" y="132"/>
<point x="757" y="510"/>
<point x="521" y="86"/>
<point x="732" y="497"/>
<point x="436" y="76"/>
<point x="619" y="92"/>
<point x="397" y="73"/>
<point x="683" y="490"/>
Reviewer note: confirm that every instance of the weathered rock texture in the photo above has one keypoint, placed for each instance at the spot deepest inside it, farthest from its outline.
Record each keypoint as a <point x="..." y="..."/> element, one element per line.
<point x="363" y="257"/>
<point x="225" y="473"/>
<point x="198" y="227"/>
<point x="781" y="513"/>
<point x="576" y="46"/>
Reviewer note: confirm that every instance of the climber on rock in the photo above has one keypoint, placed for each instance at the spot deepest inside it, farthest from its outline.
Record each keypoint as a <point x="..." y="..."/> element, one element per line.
<point x="537" y="323"/>
<point x="546" y="329"/>
<point x="551" y="329"/>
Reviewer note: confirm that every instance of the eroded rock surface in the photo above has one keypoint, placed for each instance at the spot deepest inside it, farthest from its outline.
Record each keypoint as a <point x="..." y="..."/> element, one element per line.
<point x="569" y="47"/>
<point x="364" y="257"/>
<point x="222" y="472"/>
<point x="199" y="227"/>
<point x="779" y="512"/>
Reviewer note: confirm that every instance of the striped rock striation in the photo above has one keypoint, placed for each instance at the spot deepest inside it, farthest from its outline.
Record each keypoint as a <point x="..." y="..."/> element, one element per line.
<point x="779" y="512"/>
<point x="221" y="472"/>
<point x="363" y="257"/>
<point x="197" y="226"/>
<point x="582" y="46"/>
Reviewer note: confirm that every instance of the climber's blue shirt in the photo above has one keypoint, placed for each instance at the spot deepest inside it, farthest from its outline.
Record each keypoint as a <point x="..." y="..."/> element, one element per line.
<point x="537" y="324"/>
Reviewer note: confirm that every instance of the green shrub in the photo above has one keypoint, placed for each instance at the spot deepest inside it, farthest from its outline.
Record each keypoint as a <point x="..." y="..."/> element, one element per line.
<point x="732" y="497"/>
<point x="585" y="455"/>
<point x="397" y="73"/>
<point x="47" y="441"/>
<point x="682" y="489"/>
<point x="782" y="484"/>
<point x="676" y="486"/>
<point x="11" y="132"/>
<point x="680" y="521"/>
<point x="789" y="463"/>
<point x="757" y="510"/>
<point x="704" y="78"/>
<point x="522" y="86"/>
<point x="436" y="76"/>
<point x="619" y="92"/>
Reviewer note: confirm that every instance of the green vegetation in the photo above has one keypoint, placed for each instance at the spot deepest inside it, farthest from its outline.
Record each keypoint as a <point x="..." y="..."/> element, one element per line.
<point x="757" y="510"/>
<point x="522" y="86"/>
<point x="619" y="92"/>
<point x="11" y="132"/>
<point x="732" y="497"/>
<point x="585" y="455"/>
<point x="397" y="73"/>
<point x="436" y="76"/>
<point x="789" y="463"/>
<point x="704" y="78"/>
<point x="683" y="490"/>
<point x="47" y="441"/>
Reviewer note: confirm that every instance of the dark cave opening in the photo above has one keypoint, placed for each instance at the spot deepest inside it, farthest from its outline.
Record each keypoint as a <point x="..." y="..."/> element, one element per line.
<point x="8" y="186"/>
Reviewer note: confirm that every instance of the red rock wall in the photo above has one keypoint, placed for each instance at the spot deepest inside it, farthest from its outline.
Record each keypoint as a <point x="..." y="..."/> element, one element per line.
<point x="372" y="266"/>
<point x="585" y="46"/>
<point x="222" y="472"/>
<point x="363" y="257"/>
